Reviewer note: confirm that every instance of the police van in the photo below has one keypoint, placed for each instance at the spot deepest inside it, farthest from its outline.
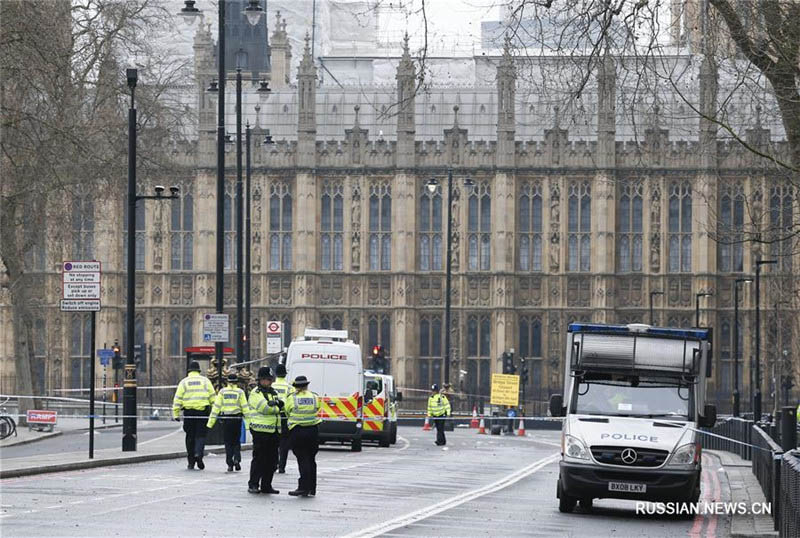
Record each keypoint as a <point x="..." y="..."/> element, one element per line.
<point x="634" y="396"/>
<point x="380" y="409"/>
<point x="333" y="364"/>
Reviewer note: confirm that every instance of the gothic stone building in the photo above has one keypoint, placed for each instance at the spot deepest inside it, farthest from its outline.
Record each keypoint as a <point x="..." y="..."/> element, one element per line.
<point x="567" y="220"/>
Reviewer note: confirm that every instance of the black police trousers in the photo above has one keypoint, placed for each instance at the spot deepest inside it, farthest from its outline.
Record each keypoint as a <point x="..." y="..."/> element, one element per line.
<point x="305" y="444"/>
<point x="265" y="456"/>
<point x="195" y="429"/>
<point x="439" y="423"/>
<point x="232" y="434"/>
<point x="283" y="451"/>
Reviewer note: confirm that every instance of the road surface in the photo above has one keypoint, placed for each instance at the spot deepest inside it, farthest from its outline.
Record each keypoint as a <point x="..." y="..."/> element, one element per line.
<point x="479" y="486"/>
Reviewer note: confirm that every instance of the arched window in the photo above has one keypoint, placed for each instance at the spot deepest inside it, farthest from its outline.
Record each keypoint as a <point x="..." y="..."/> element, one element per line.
<point x="629" y="227"/>
<point x="579" y="227"/>
<point x="280" y="226"/>
<point x="680" y="227"/>
<point x="730" y="228"/>
<point x="530" y="226"/>
<point x="430" y="230"/>
<point x="380" y="226"/>
<point x="479" y="227"/>
<point x="332" y="226"/>
<point x="182" y="230"/>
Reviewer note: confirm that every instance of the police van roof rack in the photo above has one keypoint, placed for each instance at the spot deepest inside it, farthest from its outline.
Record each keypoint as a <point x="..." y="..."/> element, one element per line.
<point x="325" y="334"/>
<point x="636" y="348"/>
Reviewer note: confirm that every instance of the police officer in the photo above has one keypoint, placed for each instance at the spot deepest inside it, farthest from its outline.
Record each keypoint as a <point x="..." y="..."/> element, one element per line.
<point x="302" y="408"/>
<point x="231" y="404"/>
<point x="438" y="408"/>
<point x="283" y="389"/>
<point x="265" y="425"/>
<point x="195" y="394"/>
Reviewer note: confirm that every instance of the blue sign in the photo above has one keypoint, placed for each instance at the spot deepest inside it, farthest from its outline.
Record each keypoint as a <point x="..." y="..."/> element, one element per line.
<point x="105" y="356"/>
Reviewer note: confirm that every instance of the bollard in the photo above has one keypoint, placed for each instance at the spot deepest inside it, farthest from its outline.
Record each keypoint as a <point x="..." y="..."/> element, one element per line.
<point x="788" y="429"/>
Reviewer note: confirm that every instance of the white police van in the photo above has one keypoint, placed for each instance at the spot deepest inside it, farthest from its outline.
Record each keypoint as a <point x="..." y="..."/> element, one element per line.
<point x="633" y="399"/>
<point x="333" y="364"/>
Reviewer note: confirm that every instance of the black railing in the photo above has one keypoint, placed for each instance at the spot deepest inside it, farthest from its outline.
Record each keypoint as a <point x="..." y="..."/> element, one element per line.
<point x="789" y="496"/>
<point x="766" y="467"/>
<point x="732" y="429"/>
<point x="778" y="473"/>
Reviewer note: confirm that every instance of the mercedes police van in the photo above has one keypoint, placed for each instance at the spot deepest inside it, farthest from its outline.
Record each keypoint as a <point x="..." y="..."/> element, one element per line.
<point x="334" y="366"/>
<point x="634" y="396"/>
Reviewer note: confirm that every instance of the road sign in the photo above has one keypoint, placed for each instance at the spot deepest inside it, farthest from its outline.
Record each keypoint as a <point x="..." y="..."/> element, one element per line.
<point x="274" y="336"/>
<point x="80" y="286"/>
<point x="105" y="356"/>
<point x="505" y="389"/>
<point x="80" y="305"/>
<point x="216" y="328"/>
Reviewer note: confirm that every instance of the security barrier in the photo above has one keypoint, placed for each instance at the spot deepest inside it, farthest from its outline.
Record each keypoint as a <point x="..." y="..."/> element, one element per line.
<point x="778" y="473"/>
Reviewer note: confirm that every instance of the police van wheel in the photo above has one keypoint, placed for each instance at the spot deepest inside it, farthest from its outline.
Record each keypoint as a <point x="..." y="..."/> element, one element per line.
<point x="394" y="433"/>
<point x="566" y="504"/>
<point x="386" y="437"/>
<point x="355" y="445"/>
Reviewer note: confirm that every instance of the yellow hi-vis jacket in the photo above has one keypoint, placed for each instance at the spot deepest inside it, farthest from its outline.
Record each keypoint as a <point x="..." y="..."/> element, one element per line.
<point x="265" y="418"/>
<point x="282" y="388"/>
<point x="302" y="408"/>
<point x="438" y="405"/>
<point x="194" y="392"/>
<point x="230" y="401"/>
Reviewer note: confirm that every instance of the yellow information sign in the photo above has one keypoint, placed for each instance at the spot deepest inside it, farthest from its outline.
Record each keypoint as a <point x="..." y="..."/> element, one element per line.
<point x="505" y="390"/>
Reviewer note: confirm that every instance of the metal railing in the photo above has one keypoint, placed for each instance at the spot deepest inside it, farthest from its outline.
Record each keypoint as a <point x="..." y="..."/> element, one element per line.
<point x="789" y="495"/>
<point x="777" y="471"/>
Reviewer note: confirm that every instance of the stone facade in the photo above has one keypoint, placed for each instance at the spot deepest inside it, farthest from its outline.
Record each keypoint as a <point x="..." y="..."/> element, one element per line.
<point x="347" y="235"/>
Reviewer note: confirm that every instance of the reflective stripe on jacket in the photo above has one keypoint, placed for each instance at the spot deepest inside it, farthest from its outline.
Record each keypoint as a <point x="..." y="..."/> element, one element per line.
<point x="194" y="392"/>
<point x="230" y="401"/>
<point x="438" y="405"/>
<point x="265" y="418"/>
<point x="302" y="408"/>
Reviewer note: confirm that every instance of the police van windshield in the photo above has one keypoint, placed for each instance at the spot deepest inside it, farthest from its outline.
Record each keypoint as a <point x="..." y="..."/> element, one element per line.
<point x="634" y="396"/>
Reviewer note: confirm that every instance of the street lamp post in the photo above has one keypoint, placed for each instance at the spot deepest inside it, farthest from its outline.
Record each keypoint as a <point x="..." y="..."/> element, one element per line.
<point x="757" y="393"/>
<point x="777" y="372"/>
<point x="129" y="381"/>
<point x="652" y="293"/>
<point x="190" y="14"/>
<point x="697" y="306"/>
<point x="248" y="273"/>
<point x="239" y="221"/>
<point x="432" y="185"/>
<point x="736" y="342"/>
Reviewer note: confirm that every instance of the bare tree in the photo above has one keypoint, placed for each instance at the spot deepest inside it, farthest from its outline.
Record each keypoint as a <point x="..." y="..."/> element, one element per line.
<point x="63" y="97"/>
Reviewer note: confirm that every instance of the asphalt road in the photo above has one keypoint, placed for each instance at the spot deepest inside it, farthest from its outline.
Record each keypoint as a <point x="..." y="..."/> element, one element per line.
<point x="478" y="486"/>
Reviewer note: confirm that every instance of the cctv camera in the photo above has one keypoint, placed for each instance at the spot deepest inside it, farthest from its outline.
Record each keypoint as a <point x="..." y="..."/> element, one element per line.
<point x="174" y="190"/>
<point x="159" y="190"/>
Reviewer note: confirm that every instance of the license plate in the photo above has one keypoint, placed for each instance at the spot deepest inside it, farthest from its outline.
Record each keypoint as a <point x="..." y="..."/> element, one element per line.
<point x="626" y="487"/>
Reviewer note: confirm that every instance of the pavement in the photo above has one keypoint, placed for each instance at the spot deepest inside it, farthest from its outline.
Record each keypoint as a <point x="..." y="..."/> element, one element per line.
<point x="744" y="488"/>
<point x="478" y="485"/>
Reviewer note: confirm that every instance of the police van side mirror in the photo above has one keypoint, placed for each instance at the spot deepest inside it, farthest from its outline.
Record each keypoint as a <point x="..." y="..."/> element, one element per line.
<point x="709" y="418"/>
<point x="557" y="405"/>
<point x="399" y="397"/>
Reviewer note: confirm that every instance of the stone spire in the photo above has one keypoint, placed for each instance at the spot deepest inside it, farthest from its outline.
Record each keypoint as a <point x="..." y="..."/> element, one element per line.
<point x="281" y="55"/>
<point x="606" y="112"/>
<point x="406" y="119"/>
<point x="708" y="109"/>
<point x="306" y="106"/>
<point x="506" y="92"/>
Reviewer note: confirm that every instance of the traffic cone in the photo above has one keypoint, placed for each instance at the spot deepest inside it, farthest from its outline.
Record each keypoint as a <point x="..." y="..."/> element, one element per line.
<point x="521" y="432"/>
<point x="427" y="426"/>
<point x="482" y="428"/>
<point x="474" y="422"/>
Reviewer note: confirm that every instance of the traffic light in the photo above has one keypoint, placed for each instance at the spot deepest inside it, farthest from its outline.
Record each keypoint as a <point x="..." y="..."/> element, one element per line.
<point x="524" y="371"/>
<point x="117" y="362"/>
<point x="379" y="359"/>
<point x="508" y="363"/>
<point x="140" y="357"/>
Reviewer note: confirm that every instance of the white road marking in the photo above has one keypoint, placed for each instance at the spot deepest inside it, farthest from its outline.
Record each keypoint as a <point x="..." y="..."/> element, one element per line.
<point x="180" y="428"/>
<point x="452" y="502"/>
